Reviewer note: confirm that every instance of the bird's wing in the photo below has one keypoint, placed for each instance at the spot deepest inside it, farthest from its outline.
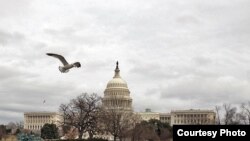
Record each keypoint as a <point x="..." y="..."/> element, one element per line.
<point x="60" y="57"/>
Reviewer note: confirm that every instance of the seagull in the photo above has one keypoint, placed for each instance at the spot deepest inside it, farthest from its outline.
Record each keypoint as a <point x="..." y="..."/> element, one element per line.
<point x="66" y="66"/>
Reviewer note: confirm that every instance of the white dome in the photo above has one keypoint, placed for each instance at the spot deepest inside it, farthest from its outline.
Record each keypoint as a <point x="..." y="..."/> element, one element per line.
<point x="117" y="94"/>
<point x="117" y="82"/>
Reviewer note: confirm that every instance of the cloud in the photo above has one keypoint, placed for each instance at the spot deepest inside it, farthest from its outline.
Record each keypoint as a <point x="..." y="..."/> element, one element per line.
<point x="13" y="7"/>
<point x="173" y="54"/>
<point x="208" y="91"/>
<point x="10" y="38"/>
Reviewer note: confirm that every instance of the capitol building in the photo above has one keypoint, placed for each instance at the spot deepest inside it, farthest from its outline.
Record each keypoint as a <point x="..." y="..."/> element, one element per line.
<point x="117" y="96"/>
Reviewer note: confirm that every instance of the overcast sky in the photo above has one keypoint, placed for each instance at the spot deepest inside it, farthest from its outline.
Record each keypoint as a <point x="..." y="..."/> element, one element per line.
<point x="174" y="54"/>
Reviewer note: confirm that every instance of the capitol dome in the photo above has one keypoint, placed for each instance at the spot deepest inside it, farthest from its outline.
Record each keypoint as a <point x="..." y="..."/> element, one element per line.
<point x="117" y="94"/>
<point x="117" y="82"/>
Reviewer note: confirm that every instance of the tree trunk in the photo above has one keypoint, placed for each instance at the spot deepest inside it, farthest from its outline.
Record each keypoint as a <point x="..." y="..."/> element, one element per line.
<point x="90" y="135"/>
<point x="80" y="134"/>
<point x="114" y="138"/>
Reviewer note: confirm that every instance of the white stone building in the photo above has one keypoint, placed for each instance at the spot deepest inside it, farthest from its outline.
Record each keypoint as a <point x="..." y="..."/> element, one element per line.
<point x="193" y="116"/>
<point x="183" y="117"/>
<point x="165" y="118"/>
<point x="148" y="114"/>
<point x="34" y="121"/>
<point x="117" y="94"/>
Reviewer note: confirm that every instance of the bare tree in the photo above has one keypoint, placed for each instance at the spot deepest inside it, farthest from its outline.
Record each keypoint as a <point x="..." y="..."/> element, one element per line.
<point x="81" y="113"/>
<point x="244" y="115"/>
<point x="138" y="131"/>
<point x="63" y="124"/>
<point x="11" y="125"/>
<point x="94" y="125"/>
<point x="217" y="109"/>
<point x="148" y="131"/>
<point x="118" y="122"/>
<point x="130" y="120"/>
<point x="2" y="131"/>
<point x="11" y="128"/>
<point x="71" y="134"/>
<point x="20" y="124"/>
<point x="230" y="114"/>
<point x="245" y="107"/>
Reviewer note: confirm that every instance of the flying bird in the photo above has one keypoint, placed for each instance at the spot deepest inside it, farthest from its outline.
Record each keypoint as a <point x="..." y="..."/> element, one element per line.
<point x="66" y="66"/>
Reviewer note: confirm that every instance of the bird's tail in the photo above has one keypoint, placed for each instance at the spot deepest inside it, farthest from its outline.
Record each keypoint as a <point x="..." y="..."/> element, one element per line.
<point x="77" y="64"/>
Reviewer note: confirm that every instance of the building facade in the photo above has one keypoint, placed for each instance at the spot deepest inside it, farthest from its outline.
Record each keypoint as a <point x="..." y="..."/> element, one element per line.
<point x="117" y="94"/>
<point x="34" y="121"/>
<point x="165" y="118"/>
<point x="148" y="114"/>
<point x="192" y="117"/>
<point x="183" y="117"/>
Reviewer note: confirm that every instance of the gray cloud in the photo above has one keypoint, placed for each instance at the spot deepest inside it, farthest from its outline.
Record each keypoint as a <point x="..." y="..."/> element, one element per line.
<point x="204" y="93"/>
<point x="10" y="38"/>
<point x="173" y="54"/>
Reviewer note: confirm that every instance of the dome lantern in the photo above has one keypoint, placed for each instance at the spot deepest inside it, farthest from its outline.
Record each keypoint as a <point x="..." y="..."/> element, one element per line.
<point x="117" y="71"/>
